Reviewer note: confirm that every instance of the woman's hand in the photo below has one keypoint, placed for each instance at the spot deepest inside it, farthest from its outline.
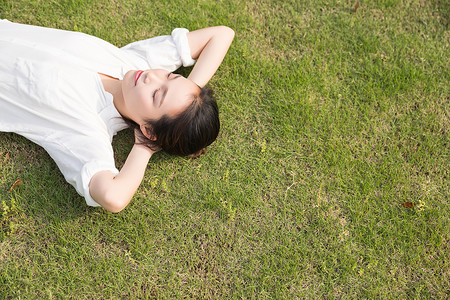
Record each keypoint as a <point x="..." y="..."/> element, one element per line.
<point x="208" y="46"/>
<point x="137" y="136"/>
<point x="140" y="139"/>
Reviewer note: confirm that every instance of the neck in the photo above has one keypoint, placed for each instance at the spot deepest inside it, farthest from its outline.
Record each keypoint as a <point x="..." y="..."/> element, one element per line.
<point x="114" y="87"/>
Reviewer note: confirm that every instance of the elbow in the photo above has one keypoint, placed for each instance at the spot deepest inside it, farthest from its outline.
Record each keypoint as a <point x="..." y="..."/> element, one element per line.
<point x="110" y="196"/>
<point x="114" y="203"/>
<point x="228" y="32"/>
<point x="115" y="208"/>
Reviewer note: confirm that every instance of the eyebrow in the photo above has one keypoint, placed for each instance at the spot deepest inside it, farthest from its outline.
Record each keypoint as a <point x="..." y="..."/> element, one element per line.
<point x="165" y="91"/>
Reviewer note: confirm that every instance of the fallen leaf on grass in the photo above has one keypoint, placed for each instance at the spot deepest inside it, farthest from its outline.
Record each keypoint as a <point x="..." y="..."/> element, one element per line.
<point x="6" y="157"/>
<point x="408" y="204"/>
<point x="17" y="183"/>
<point x="356" y="7"/>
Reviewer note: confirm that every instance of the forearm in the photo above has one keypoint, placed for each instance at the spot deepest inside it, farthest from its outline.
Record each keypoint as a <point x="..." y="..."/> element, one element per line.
<point x="132" y="172"/>
<point x="115" y="192"/>
<point x="209" y="46"/>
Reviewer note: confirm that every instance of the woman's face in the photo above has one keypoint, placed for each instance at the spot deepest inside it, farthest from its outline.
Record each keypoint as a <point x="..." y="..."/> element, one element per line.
<point x="152" y="94"/>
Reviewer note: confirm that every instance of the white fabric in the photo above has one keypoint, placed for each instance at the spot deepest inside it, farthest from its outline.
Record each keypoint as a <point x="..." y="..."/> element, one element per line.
<point x="51" y="93"/>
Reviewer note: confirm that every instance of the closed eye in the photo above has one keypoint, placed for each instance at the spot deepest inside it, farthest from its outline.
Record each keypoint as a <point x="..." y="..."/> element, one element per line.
<point x="154" y="94"/>
<point x="173" y="77"/>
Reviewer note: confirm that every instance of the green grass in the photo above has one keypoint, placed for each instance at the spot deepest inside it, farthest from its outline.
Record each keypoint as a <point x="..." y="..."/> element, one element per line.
<point x="331" y="120"/>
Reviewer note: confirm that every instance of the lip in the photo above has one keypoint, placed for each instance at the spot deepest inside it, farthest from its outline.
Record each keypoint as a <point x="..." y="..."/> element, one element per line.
<point x="137" y="75"/>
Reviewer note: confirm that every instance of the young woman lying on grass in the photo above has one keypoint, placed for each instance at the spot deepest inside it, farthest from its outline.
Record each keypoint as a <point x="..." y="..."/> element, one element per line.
<point x="71" y="93"/>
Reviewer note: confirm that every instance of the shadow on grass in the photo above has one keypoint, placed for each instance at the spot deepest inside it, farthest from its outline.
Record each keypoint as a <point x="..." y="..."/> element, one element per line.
<point x="443" y="8"/>
<point x="44" y="191"/>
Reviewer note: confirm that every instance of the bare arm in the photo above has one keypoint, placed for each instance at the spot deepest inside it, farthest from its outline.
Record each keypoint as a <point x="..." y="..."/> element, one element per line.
<point x="114" y="192"/>
<point x="208" y="46"/>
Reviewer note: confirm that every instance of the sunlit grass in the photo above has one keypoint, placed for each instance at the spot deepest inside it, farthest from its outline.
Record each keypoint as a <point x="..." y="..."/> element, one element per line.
<point x="331" y="119"/>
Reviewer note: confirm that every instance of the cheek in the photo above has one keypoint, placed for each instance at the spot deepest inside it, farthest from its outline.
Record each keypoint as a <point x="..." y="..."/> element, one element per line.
<point x="144" y="105"/>
<point x="142" y="99"/>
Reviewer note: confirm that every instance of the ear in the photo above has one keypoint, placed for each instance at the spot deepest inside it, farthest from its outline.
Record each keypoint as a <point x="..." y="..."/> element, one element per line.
<point x="148" y="132"/>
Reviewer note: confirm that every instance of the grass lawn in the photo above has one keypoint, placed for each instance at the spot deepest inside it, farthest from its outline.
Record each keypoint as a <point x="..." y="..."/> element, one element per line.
<point x="329" y="179"/>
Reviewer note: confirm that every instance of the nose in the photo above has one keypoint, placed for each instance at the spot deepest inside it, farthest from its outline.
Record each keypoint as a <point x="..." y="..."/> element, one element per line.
<point x="154" y="75"/>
